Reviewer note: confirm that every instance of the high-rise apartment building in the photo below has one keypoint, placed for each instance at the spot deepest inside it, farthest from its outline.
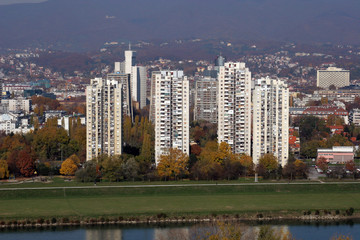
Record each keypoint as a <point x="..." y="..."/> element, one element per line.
<point x="333" y="76"/>
<point x="138" y="76"/>
<point x="124" y="80"/>
<point x="271" y="120"/>
<point x="171" y="111"/>
<point x="206" y="106"/>
<point x="104" y="118"/>
<point x="130" y="60"/>
<point x="138" y="85"/>
<point x="234" y="106"/>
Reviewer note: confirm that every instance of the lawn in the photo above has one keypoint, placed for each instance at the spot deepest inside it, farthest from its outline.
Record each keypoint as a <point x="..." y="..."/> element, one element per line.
<point x="192" y="200"/>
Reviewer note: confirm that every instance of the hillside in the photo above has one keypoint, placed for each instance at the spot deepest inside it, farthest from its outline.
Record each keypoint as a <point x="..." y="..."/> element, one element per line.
<point x="87" y="24"/>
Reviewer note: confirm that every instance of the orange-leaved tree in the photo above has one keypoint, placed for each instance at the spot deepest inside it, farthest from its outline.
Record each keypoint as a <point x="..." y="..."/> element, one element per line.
<point x="75" y="159"/>
<point x="173" y="164"/>
<point x="322" y="164"/>
<point x="350" y="166"/>
<point x="68" y="167"/>
<point x="25" y="162"/>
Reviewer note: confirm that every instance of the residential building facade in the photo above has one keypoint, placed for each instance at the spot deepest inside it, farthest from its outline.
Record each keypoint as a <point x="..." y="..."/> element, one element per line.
<point x="206" y="106"/>
<point x="171" y="112"/>
<point x="104" y="118"/>
<point x="124" y="80"/>
<point x="271" y="120"/>
<point x="138" y="85"/>
<point x="234" y="106"/>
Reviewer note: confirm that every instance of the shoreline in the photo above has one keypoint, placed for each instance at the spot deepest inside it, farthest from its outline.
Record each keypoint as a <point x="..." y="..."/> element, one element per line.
<point x="155" y="220"/>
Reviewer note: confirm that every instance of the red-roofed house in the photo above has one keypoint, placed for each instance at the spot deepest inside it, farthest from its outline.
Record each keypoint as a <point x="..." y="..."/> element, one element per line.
<point x="325" y="111"/>
<point x="336" y="129"/>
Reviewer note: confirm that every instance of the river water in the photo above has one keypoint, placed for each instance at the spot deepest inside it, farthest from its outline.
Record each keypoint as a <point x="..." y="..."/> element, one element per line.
<point x="298" y="230"/>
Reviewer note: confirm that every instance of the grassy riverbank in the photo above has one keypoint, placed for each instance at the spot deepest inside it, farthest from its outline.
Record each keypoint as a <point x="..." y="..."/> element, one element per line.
<point x="176" y="200"/>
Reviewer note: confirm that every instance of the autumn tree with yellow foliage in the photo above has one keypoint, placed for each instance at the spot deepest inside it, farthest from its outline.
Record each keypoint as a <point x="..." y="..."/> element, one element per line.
<point x="267" y="165"/>
<point x="4" y="169"/>
<point x="173" y="164"/>
<point x="247" y="162"/>
<point x="68" y="167"/>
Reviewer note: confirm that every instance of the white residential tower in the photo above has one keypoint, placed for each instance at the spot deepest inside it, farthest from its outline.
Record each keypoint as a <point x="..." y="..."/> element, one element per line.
<point x="234" y="103"/>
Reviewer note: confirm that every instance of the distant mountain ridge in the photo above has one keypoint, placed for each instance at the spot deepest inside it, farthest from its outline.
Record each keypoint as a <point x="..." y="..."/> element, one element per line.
<point x="87" y="24"/>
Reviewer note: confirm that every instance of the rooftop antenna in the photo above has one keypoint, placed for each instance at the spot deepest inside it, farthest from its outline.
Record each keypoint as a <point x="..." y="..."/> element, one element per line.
<point x="129" y="45"/>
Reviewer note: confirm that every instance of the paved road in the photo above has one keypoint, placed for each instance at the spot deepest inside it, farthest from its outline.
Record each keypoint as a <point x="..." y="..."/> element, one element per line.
<point x="177" y="185"/>
<point x="314" y="175"/>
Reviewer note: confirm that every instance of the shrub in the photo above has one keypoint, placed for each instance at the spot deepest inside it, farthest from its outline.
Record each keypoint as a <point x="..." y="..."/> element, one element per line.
<point x="53" y="220"/>
<point x="161" y="215"/>
<point x="259" y="215"/>
<point x="317" y="212"/>
<point x="40" y="221"/>
<point x="337" y="211"/>
<point x="350" y="211"/>
<point x="65" y="220"/>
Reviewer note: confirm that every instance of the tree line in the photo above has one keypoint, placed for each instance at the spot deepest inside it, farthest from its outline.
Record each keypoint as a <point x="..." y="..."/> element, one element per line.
<point x="41" y="151"/>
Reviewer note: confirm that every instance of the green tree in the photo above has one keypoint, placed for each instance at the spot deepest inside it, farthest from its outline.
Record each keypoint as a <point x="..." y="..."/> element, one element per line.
<point x="130" y="169"/>
<point x="111" y="168"/>
<point x="87" y="173"/>
<point x="312" y="127"/>
<point x="309" y="149"/>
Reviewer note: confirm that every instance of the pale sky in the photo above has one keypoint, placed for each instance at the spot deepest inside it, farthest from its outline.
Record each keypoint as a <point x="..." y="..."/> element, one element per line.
<point x="8" y="2"/>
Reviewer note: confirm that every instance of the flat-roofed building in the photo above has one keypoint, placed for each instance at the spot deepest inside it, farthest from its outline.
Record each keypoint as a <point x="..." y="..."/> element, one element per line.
<point x="171" y="112"/>
<point x="337" y="154"/>
<point x="333" y="76"/>
<point x="271" y="119"/>
<point x="104" y="118"/>
<point x="234" y="104"/>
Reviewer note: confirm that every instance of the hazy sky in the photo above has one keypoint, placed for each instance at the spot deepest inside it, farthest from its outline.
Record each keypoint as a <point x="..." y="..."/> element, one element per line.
<point x="8" y="2"/>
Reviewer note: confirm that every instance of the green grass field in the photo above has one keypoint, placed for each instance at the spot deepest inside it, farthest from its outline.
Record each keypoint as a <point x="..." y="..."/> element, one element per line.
<point x="187" y="200"/>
